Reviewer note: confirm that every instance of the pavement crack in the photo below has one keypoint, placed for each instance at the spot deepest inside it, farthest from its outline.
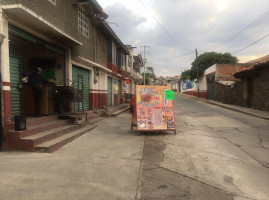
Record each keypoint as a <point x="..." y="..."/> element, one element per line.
<point x="206" y="135"/>
<point x="261" y="163"/>
<point x="194" y="179"/>
<point x="140" y="171"/>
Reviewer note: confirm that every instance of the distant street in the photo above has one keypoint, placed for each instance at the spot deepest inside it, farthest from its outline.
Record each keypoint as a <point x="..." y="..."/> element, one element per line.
<point x="217" y="154"/>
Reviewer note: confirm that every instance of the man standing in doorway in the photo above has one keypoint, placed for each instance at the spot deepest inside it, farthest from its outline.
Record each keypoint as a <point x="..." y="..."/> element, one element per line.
<point x="37" y="81"/>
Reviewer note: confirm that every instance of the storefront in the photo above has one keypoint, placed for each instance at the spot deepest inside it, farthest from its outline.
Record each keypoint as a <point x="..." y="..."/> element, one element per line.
<point x="81" y="83"/>
<point x="26" y="53"/>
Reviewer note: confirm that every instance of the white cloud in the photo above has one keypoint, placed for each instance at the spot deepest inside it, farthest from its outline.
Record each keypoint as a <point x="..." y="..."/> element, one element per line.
<point x="193" y="23"/>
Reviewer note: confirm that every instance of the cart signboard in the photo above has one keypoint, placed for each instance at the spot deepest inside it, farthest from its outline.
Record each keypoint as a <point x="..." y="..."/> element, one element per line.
<point x="154" y="108"/>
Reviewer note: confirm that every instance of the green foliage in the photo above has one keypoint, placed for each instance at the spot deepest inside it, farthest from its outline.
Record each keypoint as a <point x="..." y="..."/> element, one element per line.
<point x="185" y="75"/>
<point x="148" y="76"/>
<point x="205" y="61"/>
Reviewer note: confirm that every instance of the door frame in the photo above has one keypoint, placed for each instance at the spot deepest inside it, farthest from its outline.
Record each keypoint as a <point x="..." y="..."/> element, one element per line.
<point x="111" y="98"/>
<point x="20" y="76"/>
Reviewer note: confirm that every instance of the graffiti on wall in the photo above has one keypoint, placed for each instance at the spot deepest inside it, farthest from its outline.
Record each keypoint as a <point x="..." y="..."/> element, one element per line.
<point x="187" y="84"/>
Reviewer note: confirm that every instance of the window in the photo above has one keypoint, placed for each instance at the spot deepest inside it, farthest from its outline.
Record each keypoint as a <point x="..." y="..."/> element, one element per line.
<point x="53" y="1"/>
<point x="83" y="26"/>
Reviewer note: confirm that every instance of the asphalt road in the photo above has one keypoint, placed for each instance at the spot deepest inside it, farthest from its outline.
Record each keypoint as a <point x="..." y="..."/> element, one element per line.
<point x="217" y="154"/>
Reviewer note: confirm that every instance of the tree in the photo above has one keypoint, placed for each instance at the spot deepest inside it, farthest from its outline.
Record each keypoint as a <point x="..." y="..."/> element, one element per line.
<point x="148" y="76"/>
<point x="185" y="75"/>
<point x="205" y="61"/>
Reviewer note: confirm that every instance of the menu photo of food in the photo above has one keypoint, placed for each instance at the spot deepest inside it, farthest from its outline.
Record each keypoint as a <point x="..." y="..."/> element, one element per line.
<point x="154" y="112"/>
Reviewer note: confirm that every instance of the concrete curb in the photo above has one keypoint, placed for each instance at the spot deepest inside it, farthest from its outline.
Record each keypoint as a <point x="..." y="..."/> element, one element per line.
<point x="244" y="110"/>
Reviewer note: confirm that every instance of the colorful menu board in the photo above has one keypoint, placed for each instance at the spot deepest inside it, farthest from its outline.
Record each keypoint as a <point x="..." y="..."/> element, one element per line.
<point x="153" y="110"/>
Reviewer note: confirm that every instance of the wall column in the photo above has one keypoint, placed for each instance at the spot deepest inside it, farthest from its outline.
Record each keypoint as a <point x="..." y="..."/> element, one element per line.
<point x="6" y="107"/>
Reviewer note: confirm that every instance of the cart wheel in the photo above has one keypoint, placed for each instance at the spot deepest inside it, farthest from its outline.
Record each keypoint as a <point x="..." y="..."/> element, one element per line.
<point x="175" y="132"/>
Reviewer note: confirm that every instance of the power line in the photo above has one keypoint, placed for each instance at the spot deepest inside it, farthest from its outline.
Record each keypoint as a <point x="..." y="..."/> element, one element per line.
<point x="180" y="56"/>
<point x="251" y="44"/>
<point x="256" y="21"/>
<point x="244" y="39"/>
<point x="170" y="35"/>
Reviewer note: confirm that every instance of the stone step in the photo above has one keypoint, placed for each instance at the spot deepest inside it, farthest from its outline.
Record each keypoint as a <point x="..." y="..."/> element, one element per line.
<point x="30" y="121"/>
<point x="28" y="143"/>
<point x="58" y="142"/>
<point x="118" y="112"/>
<point x="37" y="128"/>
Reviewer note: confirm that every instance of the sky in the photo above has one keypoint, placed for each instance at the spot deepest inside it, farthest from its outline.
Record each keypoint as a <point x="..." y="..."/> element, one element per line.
<point x="173" y="29"/>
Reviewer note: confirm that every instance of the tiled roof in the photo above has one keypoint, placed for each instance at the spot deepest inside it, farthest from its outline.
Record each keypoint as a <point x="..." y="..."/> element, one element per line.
<point x="253" y="70"/>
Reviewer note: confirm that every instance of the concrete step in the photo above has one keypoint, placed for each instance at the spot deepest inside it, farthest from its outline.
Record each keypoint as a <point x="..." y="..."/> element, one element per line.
<point x="28" y="143"/>
<point x="30" y="121"/>
<point x="118" y="112"/>
<point x="58" y="142"/>
<point x="37" y="128"/>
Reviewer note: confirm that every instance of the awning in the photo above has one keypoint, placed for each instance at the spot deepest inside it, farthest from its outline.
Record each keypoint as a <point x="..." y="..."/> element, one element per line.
<point x="23" y="16"/>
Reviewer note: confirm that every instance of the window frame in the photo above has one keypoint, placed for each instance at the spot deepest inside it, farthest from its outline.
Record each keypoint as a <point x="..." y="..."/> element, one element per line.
<point x="83" y="22"/>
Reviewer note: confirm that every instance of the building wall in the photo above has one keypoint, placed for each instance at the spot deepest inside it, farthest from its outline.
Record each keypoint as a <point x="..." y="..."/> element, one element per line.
<point x="239" y="93"/>
<point x="230" y="94"/>
<point x="57" y="15"/>
<point x="226" y="71"/>
<point x="261" y="90"/>
<point x="101" y="48"/>
<point x="202" y="88"/>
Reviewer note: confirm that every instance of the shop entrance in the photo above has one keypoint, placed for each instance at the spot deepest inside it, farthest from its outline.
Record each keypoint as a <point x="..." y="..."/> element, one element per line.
<point x="28" y="52"/>
<point x="109" y="91"/>
<point x="81" y="83"/>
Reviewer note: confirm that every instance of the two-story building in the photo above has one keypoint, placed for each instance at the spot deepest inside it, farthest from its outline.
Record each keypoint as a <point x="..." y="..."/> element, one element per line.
<point x="133" y="73"/>
<point x="72" y="43"/>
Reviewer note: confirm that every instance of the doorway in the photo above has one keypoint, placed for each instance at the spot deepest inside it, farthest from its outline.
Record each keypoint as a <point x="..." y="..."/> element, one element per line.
<point x="109" y="91"/>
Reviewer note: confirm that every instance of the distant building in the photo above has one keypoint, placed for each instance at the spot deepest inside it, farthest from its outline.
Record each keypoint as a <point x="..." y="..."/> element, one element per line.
<point x="133" y="73"/>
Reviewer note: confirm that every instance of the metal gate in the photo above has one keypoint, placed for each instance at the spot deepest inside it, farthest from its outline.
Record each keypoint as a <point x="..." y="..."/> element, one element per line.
<point x="80" y="79"/>
<point x="210" y="90"/>
<point x="109" y="91"/>
<point x="15" y="80"/>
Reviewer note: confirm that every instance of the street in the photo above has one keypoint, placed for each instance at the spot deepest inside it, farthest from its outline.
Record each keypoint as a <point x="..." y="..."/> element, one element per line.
<point x="217" y="154"/>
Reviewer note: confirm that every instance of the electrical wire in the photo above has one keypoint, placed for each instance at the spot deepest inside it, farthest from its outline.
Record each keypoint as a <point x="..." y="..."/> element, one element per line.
<point x="159" y="23"/>
<point x="256" y="21"/>
<point x="251" y="44"/>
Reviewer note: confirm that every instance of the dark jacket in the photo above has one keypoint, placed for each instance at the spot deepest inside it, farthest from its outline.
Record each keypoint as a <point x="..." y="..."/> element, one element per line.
<point x="37" y="80"/>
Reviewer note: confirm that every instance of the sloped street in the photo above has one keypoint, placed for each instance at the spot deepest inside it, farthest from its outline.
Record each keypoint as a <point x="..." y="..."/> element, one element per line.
<point x="216" y="154"/>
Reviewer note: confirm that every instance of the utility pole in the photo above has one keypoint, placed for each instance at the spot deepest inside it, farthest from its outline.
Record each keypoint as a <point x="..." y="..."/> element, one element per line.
<point x="144" y="61"/>
<point x="196" y="52"/>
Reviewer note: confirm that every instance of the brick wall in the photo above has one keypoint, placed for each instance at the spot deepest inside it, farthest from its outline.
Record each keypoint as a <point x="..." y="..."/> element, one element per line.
<point x="226" y="71"/>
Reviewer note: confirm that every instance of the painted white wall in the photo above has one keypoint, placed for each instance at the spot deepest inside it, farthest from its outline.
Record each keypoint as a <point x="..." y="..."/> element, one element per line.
<point x="210" y="70"/>
<point x="202" y="85"/>
<point x="4" y="50"/>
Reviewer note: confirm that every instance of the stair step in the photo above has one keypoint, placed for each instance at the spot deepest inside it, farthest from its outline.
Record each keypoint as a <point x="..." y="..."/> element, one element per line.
<point x="30" y="121"/>
<point x="40" y="128"/>
<point x="58" y="142"/>
<point x="95" y="120"/>
<point x="118" y="112"/>
<point x="47" y="135"/>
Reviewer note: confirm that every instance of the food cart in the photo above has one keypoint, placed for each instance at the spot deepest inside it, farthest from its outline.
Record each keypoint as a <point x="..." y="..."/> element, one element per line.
<point x="153" y="109"/>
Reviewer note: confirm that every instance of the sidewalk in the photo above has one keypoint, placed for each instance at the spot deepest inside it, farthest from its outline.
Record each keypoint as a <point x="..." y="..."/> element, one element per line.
<point x="249" y="111"/>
